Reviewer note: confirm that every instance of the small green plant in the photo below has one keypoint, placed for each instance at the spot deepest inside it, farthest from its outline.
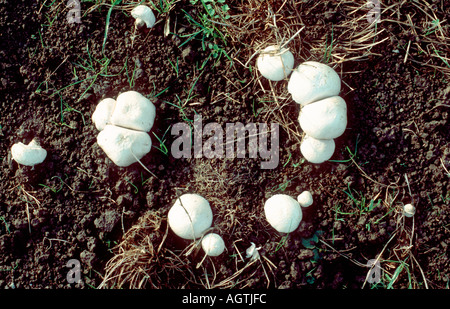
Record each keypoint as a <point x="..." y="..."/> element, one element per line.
<point x="215" y="14"/>
<point x="215" y="9"/>
<point x="162" y="146"/>
<point x="163" y="6"/>
<point x="360" y="202"/>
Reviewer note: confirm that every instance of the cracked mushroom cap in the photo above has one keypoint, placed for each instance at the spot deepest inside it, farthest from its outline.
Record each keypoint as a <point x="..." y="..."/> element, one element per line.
<point x="123" y="146"/>
<point x="190" y="216"/>
<point x="133" y="111"/>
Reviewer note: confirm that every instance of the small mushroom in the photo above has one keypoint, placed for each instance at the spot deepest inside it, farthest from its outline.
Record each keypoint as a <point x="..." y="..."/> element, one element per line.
<point x="305" y="199"/>
<point x="252" y="252"/>
<point x="123" y="146"/>
<point x="317" y="150"/>
<point x="283" y="213"/>
<point x="324" y="119"/>
<point x="29" y="155"/>
<point x="409" y="210"/>
<point x="275" y="64"/>
<point x="143" y="15"/>
<point x="190" y="216"/>
<point x="213" y="244"/>
<point x="312" y="81"/>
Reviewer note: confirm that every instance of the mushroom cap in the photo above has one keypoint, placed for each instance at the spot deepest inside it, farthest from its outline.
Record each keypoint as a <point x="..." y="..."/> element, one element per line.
<point x="324" y="119"/>
<point x="213" y="244"/>
<point x="190" y="216"/>
<point x="144" y="13"/>
<point x="312" y="81"/>
<point x="29" y="155"/>
<point x="122" y="145"/>
<point x="409" y="210"/>
<point x="283" y="213"/>
<point x="102" y="114"/>
<point x="305" y="199"/>
<point x="275" y="64"/>
<point x="133" y="111"/>
<point x="317" y="150"/>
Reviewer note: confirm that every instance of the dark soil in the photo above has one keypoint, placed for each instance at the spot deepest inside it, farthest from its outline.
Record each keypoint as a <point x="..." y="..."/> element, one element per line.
<point x="78" y="205"/>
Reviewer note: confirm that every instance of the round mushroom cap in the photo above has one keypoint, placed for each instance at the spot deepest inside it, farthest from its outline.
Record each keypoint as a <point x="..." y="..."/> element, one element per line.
<point x="283" y="213"/>
<point x="133" y="111"/>
<point x="29" y="155"/>
<point x="102" y="114"/>
<point x="145" y="14"/>
<point x="317" y="150"/>
<point x="324" y="119"/>
<point x="213" y="244"/>
<point x="409" y="210"/>
<point x="275" y="64"/>
<point x="312" y="81"/>
<point x="305" y="199"/>
<point x="190" y="216"/>
<point x="123" y="146"/>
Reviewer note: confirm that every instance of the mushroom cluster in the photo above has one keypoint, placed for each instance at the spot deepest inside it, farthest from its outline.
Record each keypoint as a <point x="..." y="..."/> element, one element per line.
<point x="123" y="126"/>
<point x="323" y="115"/>
<point x="190" y="217"/>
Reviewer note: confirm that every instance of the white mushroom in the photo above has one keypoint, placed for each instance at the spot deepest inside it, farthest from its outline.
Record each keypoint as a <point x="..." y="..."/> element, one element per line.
<point x="312" y="81"/>
<point x="409" y="210"/>
<point x="213" y="244"/>
<point x="133" y="111"/>
<point x="143" y="16"/>
<point x="29" y="155"/>
<point x="275" y="64"/>
<point x="317" y="150"/>
<point x="123" y="146"/>
<point x="324" y="119"/>
<point x="102" y="114"/>
<point x="283" y="213"/>
<point x="252" y="252"/>
<point x="190" y="216"/>
<point x="305" y="199"/>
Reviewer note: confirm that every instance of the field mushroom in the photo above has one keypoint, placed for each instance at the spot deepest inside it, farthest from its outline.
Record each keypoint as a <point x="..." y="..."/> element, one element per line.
<point x="123" y="124"/>
<point x="323" y="114"/>
<point x="409" y="210"/>
<point x="29" y="155"/>
<point x="102" y="114"/>
<point x="324" y="119"/>
<point x="133" y="111"/>
<point x="312" y="81"/>
<point x="317" y="150"/>
<point x="190" y="216"/>
<point x="124" y="146"/>
<point x="283" y="213"/>
<point x="305" y="199"/>
<point x="143" y="15"/>
<point x="213" y="244"/>
<point x="275" y="64"/>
